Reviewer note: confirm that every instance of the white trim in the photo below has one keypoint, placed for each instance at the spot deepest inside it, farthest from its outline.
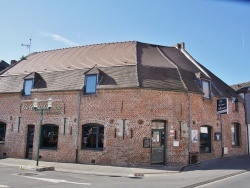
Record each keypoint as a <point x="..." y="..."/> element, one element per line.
<point x="193" y="61"/>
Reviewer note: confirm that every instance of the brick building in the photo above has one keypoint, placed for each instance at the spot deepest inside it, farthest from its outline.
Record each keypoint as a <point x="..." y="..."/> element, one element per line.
<point x="124" y="104"/>
<point x="243" y="89"/>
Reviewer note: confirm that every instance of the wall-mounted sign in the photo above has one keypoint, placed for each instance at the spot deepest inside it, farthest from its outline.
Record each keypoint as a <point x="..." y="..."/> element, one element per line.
<point x="217" y="136"/>
<point x="57" y="107"/>
<point x="222" y="106"/>
<point x="146" y="142"/>
<point x="171" y="132"/>
<point x="194" y="136"/>
<point x="176" y="143"/>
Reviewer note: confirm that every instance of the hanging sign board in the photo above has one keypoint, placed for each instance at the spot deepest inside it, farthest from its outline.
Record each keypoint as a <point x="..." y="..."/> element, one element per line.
<point x="222" y="106"/>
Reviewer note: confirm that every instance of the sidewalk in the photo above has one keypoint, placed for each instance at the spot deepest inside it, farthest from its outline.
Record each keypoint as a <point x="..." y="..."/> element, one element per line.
<point x="210" y="169"/>
<point x="90" y="169"/>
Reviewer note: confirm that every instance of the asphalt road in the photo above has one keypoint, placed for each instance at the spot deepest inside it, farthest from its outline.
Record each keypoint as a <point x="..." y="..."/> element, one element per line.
<point x="240" y="180"/>
<point x="230" y="172"/>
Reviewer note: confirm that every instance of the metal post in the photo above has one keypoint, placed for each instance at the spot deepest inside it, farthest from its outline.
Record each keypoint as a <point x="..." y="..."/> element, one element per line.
<point x="40" y="135"/>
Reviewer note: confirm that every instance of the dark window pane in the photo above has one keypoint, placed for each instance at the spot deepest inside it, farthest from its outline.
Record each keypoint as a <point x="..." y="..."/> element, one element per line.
<point x="91" y="81"/>
<point x="205" y="140"/>
<point x="2" y="132"/>
<point x="28" y="86"/>
<point x="49" y="137"/>
<point x="93" y="136"/>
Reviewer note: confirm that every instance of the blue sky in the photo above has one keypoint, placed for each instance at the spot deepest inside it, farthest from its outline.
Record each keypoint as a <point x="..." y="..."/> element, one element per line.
<point x="216" y="32"/>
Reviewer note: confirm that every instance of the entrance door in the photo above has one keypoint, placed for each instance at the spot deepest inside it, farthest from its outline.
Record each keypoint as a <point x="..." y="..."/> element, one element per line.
<point x="158" y="143"/>
<point x="30" y="138"/>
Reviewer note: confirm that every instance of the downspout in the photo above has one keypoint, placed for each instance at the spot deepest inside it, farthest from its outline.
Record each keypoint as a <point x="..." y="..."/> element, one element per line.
<point x="189" y="126"/>
<point x="222" y="137"/>
<point x="77" y="127"/>
<point x="245" y="109"/>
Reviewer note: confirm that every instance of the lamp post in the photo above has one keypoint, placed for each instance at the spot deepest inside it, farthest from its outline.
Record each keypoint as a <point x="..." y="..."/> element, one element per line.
<point x="41" y="110"/>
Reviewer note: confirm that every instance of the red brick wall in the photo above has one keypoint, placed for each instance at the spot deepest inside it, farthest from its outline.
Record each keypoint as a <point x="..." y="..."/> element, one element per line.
<point x="108" y="107"/>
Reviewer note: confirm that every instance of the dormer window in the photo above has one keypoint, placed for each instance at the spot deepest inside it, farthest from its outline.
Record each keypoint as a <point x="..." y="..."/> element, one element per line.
<point x="206" y="88"/>
<point x="28" y="84"/>
<point x="90" y="83"/>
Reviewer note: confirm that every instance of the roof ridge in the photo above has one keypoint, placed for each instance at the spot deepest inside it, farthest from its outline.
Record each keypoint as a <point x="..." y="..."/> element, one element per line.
<point x="240" y="83"/>
<point x="81" y="46"/>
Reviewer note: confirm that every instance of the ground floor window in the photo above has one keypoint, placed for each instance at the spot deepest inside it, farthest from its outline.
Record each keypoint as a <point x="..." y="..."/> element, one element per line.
<point x="49" y="137"/>
<point x="2" y="132"/>
<point x="92" y="136"/>
<point x="235" y="129"/>
<point x="205" y="139"/>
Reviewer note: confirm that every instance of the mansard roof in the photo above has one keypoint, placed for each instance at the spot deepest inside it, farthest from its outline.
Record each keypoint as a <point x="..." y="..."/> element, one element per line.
<point x="120" y="65"/>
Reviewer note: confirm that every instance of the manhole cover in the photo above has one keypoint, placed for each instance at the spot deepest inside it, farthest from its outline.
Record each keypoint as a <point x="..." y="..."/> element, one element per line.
<point x="27" y="174"/>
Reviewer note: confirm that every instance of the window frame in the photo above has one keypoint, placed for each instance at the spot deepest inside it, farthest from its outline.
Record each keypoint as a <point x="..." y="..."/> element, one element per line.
<point x="208" y="143"/>
<point x="98" y="138"/>
<point x="87" y="77"/>
<point x="49" y="137"/>
<point x="25" y="84"/>
<point x="235" y="134"/>
<point x="207" y="96"/>
<point x="4" y="132"/>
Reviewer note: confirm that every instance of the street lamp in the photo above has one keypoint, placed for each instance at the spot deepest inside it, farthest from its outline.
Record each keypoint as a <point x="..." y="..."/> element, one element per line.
<point x="41" y="110"/>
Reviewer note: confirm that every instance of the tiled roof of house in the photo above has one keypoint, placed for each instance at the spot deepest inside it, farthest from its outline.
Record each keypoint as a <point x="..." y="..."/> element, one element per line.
<point x="121" y="65"/>
<point x="3" y="65"/>
<point x="241" y="87"/>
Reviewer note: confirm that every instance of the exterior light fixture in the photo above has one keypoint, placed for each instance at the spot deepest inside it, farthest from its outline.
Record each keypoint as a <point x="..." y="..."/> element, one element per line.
<point x="35" y="103"/>
<point x="49" y="103"/>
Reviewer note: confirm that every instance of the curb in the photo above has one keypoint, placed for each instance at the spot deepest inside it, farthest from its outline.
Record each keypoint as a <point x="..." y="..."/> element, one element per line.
<point x="37" y="168"/>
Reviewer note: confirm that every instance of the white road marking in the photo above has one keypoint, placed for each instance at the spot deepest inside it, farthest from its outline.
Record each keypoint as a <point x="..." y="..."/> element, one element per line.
<point x="4" y="186"/>
<point x="56" y="180"/>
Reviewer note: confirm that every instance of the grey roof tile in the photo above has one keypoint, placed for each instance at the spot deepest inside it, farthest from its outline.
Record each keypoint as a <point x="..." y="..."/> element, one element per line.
<point x="120" y="65"/>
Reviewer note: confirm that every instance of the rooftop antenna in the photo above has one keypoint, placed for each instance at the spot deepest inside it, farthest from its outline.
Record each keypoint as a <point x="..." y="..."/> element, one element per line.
<point x="27" y="45"/>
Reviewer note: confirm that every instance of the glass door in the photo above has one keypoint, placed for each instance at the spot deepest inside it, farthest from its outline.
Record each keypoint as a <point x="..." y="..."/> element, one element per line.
<point x="157" y="147"/>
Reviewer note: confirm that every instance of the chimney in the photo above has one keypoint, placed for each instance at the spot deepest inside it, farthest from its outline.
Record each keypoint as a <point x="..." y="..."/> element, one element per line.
<point x="13" y="62"/>
<point x="180" y="46"/>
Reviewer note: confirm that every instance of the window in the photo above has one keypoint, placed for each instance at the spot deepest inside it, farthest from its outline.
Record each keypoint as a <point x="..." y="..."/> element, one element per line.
<point x="28" y="84"/>
<point x="206" y="88"/>
<point x="235" y="129"/>
<point x="93" y="136"/>
<point x="205" y="139"/>
<point x="49" y="137"/>
<point x="90" y="83"/>
<point x="235" y="105"/>
<point x="2" y="132"/>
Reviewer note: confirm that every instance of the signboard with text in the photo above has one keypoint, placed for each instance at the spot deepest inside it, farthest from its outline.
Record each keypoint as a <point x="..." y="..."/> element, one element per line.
<point x="222" y="106"/>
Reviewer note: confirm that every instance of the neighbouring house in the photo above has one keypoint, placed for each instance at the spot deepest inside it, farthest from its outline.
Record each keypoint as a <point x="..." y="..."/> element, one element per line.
<point x="243" y="89"/>
<point x="123" y="104"/>
<point x="3" y="65"/>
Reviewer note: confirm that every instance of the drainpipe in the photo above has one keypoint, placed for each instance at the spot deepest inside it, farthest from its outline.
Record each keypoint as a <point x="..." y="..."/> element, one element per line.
<point x="77" y="128"/>
<point x="189" y="127"/>
<point x="245" y="109"/>
<point x="222" y="139"/>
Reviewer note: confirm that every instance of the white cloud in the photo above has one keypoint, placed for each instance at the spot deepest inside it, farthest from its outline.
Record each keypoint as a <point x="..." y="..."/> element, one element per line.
<point x="60" y="39"/>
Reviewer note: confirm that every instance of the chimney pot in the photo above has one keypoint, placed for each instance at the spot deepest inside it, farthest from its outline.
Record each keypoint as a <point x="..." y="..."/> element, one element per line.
<point x="180" y="46"/>
<point x="12" y="62"/>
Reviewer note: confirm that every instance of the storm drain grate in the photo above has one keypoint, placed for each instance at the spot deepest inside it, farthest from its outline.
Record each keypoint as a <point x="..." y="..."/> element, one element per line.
<point x="115" y="176"/>
<point x="137" y="176"/>
<point x="27" y="174"/>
